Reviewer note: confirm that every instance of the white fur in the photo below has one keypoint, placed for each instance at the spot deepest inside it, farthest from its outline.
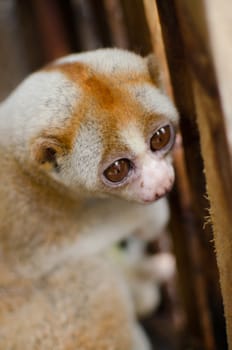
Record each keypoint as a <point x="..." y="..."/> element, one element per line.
<point x="140" y="340"/>
<point x="109" y="61"/>
<point x="42" y="101"/>
<point x="133" y="138"/>
<point x="102" y="228"/>
<point x="81" y="167"/>
<point x="154" y="101"/>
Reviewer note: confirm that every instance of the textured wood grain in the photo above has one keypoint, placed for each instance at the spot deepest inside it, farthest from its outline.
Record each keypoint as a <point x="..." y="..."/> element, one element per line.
<point x="187" y="64"/>
<point x="214" y="145"/>
<point x="196" y="94"/>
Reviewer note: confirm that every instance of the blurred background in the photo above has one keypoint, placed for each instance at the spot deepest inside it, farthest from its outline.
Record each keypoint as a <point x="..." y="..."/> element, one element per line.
<point x="33" y="33"/>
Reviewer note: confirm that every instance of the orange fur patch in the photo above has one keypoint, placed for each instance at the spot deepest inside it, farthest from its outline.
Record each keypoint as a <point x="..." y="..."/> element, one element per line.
<point x="104" y="97"/>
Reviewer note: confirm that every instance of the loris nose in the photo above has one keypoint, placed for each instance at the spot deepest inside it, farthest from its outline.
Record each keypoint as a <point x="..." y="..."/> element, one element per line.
<point x="155" y="173"/>
<point x="153" y="190"/>
<point x="157" y="180"/>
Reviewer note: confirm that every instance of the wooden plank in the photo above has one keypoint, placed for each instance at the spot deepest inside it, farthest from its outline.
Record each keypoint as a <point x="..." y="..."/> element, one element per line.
<point x="87" y="31"/>
<point x="190" y="19"/>
<point x="213" y="141"/>
<point x="13" y="59"/>
<point x="51" y="29"/>
<point x="137" y="28"/>
<point x="29" y="35"/>
<point x="116" y="22"/>
<point x="157" y="42"/>
<point x="181" y="223"/>
<point x="199" y="320"/>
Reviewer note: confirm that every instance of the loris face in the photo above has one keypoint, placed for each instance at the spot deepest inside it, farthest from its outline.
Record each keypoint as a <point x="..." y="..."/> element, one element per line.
<point x="103" y="125"/>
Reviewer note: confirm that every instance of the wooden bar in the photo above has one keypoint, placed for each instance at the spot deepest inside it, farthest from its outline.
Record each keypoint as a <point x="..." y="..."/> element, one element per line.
<point x="200" y="249"/>
<point x="180" y="217"/>
<point x="157" y="42"/>
<point x="13" y="59"/>
<point x="30" y="36"/>
<point x="213" y="141"/>
<point x="116" y="22"/>
<point x="51" y="29"/>
<point x="137" y="28"/>
<point x="196" y="95"/>
<point x="87" y="32"/>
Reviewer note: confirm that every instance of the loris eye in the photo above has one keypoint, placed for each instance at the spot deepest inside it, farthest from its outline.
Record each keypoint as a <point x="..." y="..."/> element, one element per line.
<point x="162" y="138"/>
<point x="118" y="171"/>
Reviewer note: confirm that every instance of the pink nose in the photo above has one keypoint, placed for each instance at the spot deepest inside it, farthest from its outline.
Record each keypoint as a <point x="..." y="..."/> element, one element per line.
<point x="153" y="193"/>
<point x="154" y="197"/>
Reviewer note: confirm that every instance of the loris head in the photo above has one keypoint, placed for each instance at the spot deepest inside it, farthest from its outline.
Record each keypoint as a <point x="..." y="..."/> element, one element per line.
<point x="99" y="123"/>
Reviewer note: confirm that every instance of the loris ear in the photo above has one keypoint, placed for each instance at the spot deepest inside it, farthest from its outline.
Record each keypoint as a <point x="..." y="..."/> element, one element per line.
<point x="155" y="71"/>
<point x="46" y="151"/>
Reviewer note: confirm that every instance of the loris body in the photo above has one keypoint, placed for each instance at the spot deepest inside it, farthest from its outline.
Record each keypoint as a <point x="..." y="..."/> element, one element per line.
<point x="84" y="144"/>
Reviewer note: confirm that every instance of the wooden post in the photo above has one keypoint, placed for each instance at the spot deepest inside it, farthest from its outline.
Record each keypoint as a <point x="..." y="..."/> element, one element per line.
<point x="196" y="94"/>
<point x="213" y="141"/>
<point x="137" y="29"/>
<point x="157" y="41"/>
<point x="193" y="243"/>
<point x="13" y="58"/>
<point x="52" y="32"/>
<point x="116" y="23"/>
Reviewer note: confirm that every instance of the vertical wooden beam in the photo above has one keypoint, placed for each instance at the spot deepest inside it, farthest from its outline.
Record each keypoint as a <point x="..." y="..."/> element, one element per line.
<point x="181" y="217"/>
<point x="196" y="94"/>
<point x="51" y="28"/>
<point x="191" y="219"/>
<point x="13" y="59"/>
<point x="157" y="41"/>
<point x="213" y="141"/>
<point x="138" y="32"/>
<point x="116" y="22"/>
<point x="86" y="30"/>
